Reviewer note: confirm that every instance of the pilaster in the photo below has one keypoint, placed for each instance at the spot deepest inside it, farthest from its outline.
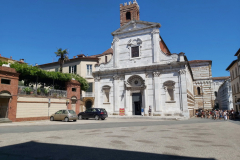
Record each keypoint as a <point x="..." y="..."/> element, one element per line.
<point x="157" y="89"/>
<point x="115" y="45"/>
<point x="156" y="46"/>
<point x="115" y="92"/>
<point x="97" y="92"/>
<point x="183" y="92"/>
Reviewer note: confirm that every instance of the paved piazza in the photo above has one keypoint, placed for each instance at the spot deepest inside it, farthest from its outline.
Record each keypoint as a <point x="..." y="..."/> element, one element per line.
<point x="118" y="139"/>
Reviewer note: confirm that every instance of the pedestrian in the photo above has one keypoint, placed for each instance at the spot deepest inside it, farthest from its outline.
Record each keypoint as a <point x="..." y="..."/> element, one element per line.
<point x="142" y="110"/>
<point x="225" y="115"/>
<point x="149" y="110"/>
<point x="220" y="114"/>
<point x="228" y="114"/>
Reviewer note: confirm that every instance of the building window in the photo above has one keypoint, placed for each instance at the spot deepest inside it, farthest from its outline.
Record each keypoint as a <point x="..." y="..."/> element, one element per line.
<point x="105" y="59"/>
<point x="128" y="16"/>
<point x="74" y="89"/>
<point x="106" y="92"/>
<point x="198" y="90"/>
<point x="169" y="88"/>
<point x="89" y="70"/>
<point x="232" y="74"/>
<point x="73" y="69"/>
<point x="236" y="72"/>
<point x="56" y="69"/>
<point x="90" y="88"/>
<point x="5" y="81"/>
<point x="135" y="51"/>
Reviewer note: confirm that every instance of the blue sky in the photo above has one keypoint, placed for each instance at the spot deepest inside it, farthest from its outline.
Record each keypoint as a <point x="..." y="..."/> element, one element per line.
<point x="202" y="29"/>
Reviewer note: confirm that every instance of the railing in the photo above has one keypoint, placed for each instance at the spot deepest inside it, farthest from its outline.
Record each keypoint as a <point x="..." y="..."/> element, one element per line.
<point x="88" y="94"/>
<point x="23" y="90"/>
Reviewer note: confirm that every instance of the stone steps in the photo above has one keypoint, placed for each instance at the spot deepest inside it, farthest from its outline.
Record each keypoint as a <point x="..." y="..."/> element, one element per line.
<point x="5" y="120"/>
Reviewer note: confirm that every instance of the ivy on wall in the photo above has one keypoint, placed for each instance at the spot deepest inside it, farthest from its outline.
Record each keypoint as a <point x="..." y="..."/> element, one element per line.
<point x="32" y="74"/>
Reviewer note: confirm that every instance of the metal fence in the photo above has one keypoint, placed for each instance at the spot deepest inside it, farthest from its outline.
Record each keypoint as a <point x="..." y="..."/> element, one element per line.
<point x="23" y="90"/>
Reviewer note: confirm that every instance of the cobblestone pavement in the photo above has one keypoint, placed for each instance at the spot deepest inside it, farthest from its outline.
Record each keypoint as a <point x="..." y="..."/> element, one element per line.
<point x="122" y="139"/>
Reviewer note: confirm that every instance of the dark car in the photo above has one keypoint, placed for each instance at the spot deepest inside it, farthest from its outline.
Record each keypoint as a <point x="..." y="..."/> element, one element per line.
<point x="95" y="113"/>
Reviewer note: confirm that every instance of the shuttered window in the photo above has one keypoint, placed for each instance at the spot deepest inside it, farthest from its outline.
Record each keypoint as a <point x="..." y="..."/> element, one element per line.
<point x="135" y="51"/>
<point x="73" y="69"/>
<point x="90" y="89"/>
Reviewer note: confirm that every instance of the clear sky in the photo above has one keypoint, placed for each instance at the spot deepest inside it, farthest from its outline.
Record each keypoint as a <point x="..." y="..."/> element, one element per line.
<point x="202" y="29"/>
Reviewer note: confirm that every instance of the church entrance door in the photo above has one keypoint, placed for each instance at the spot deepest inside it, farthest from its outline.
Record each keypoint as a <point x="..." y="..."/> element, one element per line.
<point x="136" y="103"/>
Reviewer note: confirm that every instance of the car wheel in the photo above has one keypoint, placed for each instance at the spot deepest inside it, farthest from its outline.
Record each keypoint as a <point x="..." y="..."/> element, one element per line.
<point x="51" y="119"/>
<point x="80" y="117"/>
<point x="102" y="118"/>
<point x="74" y="120"/>
<point x="66" y="119"/>
<point x="96" y="117"/>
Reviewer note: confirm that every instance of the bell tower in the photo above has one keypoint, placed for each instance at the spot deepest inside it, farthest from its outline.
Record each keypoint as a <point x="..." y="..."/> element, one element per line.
<point x="128" y="12"/>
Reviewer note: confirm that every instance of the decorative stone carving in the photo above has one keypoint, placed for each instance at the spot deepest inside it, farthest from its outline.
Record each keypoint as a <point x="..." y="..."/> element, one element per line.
<point x="116" y="39"/>
<point x="135" y="82"/>
<point x="182" y="71"/>
<point x="97" y="78"/>
<point x="155" y="31"/>
<point x="169" y="83"/>
<point x="116" y="77"/>
<point x="147" y="75"/>
<point x="156" y="74"/>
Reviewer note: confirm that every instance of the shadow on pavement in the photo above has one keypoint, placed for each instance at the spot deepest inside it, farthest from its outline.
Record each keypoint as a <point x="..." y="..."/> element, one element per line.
<point x="44" y="151"/>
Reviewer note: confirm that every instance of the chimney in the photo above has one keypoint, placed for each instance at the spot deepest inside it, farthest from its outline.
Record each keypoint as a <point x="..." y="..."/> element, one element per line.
<point x="0" y="55"/>
<point x="74" y="56"/>
<point x="21" y="60"/>
<point x="10" y="57"/>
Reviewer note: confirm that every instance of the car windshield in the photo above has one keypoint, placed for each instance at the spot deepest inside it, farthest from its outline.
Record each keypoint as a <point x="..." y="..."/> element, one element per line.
<point x="71" y="112"/>
<point x="101" y="110"/>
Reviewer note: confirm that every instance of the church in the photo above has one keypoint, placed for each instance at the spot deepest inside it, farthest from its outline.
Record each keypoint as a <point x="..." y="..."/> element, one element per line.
<point x="143" y="73"/>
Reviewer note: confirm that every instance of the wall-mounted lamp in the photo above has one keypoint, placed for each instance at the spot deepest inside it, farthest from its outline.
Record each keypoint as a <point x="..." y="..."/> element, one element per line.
<point x="67" y="101"/>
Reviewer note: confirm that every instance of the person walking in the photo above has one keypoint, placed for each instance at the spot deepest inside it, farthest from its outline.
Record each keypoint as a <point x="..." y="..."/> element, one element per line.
<point x="149" y="110"/>
<point x="225" y="115"/>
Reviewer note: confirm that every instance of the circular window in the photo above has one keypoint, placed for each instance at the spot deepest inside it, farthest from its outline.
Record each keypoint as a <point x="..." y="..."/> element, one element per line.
<point x="135" y="82"/>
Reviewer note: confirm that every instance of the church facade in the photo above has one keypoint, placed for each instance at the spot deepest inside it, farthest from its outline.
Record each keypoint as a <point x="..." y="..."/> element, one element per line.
<point x="142" y="73"/>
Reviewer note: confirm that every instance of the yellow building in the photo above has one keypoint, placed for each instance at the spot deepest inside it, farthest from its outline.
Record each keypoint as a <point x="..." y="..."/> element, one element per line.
<point x="9" y="60"/>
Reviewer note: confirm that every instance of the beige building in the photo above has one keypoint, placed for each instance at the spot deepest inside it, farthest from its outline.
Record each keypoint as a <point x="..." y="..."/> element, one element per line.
<point x="203" y="93"/>
<point x="233" y="68"/>
<point x="84" y="66"/>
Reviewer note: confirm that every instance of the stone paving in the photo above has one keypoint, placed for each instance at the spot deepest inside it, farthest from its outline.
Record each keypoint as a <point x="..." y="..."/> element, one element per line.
<point x="192" y="139"/>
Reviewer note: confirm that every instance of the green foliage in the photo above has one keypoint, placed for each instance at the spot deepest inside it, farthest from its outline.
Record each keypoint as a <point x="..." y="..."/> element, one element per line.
<point x="27" y="89"/>
<point x="33" y="74"/>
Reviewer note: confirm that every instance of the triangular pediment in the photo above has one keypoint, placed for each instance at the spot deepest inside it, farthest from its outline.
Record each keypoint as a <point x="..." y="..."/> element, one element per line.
<point x="135" y="26"/>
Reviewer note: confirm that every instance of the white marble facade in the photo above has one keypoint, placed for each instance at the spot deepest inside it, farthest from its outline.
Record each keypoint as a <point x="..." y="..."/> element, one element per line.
<point x="152" y="78"/>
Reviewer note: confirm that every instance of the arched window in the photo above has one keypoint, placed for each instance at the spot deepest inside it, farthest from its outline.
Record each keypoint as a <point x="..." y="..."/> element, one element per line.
<point x="128" y="16"/>
<point x="169" y="90"/>
<point x="106" y="92"/>
<point x="198" y="91"/>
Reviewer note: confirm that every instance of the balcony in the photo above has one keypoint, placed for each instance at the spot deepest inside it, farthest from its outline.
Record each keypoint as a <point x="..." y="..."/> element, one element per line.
<point x="87" y="94"/>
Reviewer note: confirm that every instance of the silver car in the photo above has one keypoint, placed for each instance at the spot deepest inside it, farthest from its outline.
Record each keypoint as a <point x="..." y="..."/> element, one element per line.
<point x="65" y="115"/>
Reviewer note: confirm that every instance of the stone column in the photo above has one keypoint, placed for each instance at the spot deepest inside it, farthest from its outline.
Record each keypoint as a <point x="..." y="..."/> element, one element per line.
<point x="115" y="92"/>
<point x="156" y="46"/>
<point x="115" y="44"/>
<point x="146" y="95"/>
<point x="127" y="102"/>
<point x="97" y="92"/>
<point x="157" y="90"/>
<point x="183" y="92"/>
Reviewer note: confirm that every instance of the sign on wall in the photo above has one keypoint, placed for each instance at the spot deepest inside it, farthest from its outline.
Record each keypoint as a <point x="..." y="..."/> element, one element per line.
<point x="121" y="111"/>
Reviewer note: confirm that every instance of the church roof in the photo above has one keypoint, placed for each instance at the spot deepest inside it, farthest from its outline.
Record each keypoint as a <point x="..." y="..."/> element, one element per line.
<point x="108" y="51"/>
<point x="200" y="61"/>
<point x="220" y="78"/>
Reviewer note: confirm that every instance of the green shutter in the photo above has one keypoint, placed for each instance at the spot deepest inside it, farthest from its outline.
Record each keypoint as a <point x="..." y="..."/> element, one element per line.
<point x="75" y="69"/>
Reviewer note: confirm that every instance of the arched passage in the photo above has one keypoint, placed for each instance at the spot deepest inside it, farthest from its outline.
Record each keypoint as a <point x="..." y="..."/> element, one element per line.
<point x="4" y="102"/>
<point x="88" y="104"/>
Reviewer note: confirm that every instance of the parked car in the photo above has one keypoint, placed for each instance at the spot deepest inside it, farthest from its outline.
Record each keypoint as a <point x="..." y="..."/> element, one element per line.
<point x="65" y="115"/>
<point x="96" y="113"/>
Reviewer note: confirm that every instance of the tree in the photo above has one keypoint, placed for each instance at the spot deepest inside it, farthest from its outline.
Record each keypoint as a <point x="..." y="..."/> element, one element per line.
<point x="63" y="54"/>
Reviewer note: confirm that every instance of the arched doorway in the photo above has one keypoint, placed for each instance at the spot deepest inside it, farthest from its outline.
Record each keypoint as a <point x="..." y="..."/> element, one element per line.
<point x="88" y="104"/>
<point x="73" y="102"/>
<point x="4" y="101"/>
